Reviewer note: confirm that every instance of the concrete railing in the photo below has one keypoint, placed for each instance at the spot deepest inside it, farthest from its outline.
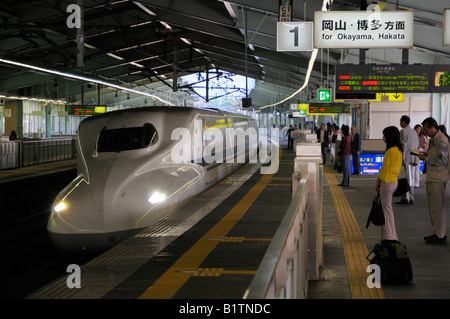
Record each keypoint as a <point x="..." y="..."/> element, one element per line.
<point x="283" y="270"/>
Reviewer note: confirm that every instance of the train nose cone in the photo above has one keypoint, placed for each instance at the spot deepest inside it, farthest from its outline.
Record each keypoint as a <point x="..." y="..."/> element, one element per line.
<point x="70" y="235"/>
<point x="74" y="225"/>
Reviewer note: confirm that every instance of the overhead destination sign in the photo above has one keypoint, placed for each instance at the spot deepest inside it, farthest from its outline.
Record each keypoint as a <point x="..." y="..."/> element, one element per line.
<point x="363" y="29"/>
<point x="351" y="79"/>
<point x="328" y="108"/>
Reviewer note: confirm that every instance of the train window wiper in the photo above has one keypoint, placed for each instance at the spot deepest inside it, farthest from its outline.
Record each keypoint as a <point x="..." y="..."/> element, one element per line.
<point x="127" y="138"/>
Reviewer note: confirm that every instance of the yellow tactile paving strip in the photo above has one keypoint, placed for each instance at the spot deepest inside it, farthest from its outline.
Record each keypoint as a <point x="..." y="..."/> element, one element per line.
<point x="188" y="264"/>
<point x="355" y="248"/>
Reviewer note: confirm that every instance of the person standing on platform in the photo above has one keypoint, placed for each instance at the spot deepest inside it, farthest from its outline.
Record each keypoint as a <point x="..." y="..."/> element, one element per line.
<point x="324" y="140"/>
<point x="290" y="140"/>
<point x="344" y="151"/>
<point x="387" y="179"/>
<point x="438" y="173"/>
<point x="409" y="140"/>
<point x="423" y="145"/>
<point x="356" y="150"/>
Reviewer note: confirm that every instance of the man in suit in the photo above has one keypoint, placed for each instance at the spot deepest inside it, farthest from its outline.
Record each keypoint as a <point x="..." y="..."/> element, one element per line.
<point x="324" y="140"/>
<point x="409" y="139"/>
<point x="355" y="144"/>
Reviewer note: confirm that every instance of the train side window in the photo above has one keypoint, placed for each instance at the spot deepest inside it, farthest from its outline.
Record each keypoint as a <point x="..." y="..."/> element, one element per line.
<point x="125" y="139"/>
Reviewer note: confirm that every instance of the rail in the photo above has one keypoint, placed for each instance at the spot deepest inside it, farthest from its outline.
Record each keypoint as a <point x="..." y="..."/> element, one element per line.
<point x="283" y="272"/>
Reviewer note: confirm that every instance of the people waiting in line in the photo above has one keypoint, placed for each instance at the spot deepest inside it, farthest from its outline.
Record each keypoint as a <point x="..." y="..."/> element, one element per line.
<point x="344" y="151"/>
<point x="409" y="140"/>
<point x="438" y="173"/>
<point x="387" y="179"/>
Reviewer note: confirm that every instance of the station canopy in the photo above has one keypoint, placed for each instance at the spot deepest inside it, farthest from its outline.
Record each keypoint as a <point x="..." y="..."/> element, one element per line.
<point x="162" y="47"/>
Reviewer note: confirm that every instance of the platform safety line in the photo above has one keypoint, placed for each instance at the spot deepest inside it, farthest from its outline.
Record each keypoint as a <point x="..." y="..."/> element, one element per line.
<point x="188" y="264"/>
<point x="355" y="249"/>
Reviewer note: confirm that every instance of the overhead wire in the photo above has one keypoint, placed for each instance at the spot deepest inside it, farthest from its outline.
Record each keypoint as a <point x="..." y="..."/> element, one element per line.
<point x="325" y="5"/>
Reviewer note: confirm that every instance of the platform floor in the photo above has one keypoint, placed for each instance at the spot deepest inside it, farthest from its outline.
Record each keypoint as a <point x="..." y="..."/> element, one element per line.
<point x="431" y="279"/>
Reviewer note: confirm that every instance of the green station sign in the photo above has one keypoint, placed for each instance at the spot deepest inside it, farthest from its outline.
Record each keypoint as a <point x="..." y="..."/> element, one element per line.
<point x="324" y="95"/>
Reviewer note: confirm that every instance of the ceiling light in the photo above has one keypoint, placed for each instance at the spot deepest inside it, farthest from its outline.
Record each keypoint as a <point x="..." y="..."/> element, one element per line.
<point x="140" y="5"/>
<point x="82" y="78"/>
<point x="137" y="64"/>
<point x="166" y="25"/>
<point x="112" y="55"/>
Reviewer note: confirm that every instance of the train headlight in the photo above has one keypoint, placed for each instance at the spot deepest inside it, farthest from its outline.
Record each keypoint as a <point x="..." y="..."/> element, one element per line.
<point x="156" y="198"/>
<point x="60" y="207"/>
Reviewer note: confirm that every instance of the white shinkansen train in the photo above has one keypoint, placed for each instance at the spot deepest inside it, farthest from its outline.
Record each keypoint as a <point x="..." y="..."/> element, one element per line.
<point x="127" y="176"/>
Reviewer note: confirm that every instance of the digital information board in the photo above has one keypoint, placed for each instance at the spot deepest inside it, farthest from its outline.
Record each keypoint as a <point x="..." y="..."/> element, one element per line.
<point x="399" y="78"/>
<point x="328" y="108"/>
<point x="371" y="163"/>
<point x="85" y="110"/>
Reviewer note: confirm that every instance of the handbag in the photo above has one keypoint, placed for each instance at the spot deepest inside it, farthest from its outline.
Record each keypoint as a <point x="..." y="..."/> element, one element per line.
<point x="376" y="215"/>
<point x="338" y="165"/>
<point x="402" y="185"/>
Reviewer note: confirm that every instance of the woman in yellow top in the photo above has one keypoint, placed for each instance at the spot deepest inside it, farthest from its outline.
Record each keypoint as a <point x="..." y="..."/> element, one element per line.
<point x="387" y="179"/>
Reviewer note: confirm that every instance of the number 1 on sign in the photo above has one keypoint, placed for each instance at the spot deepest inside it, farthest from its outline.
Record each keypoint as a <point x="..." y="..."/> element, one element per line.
<point x="295" y="31"/>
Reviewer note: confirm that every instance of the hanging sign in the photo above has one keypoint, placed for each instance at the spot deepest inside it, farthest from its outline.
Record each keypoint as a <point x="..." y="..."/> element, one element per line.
<point x="363" y="29"/>
<point x="295" y="36"/>
<point x="446" y="27"/>
<point x="285" y="11"/>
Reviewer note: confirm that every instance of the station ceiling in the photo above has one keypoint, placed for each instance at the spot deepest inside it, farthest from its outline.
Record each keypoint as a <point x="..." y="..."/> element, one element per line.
<point x="148" y="45"/>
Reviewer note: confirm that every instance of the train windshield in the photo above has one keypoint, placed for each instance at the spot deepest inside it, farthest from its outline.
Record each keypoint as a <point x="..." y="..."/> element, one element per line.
<point x="125" y="139"/>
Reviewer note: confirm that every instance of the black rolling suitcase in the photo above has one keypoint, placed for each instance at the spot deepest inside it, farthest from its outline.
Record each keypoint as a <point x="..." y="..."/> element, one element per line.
<point x="393" y="259"/>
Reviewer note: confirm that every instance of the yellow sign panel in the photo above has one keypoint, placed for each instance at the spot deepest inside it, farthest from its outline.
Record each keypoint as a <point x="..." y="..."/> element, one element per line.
<point x="303" y="107"/>
<point x="389" y="97"/>
<point x="100" y="109"/>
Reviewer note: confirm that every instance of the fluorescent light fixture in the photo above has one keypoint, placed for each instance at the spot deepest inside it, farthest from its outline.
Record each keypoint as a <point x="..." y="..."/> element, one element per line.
<point x="166" y="25"/>
<point x="186" y="41"/>
<point x="156" y="198"/>
<point x="230" y="9"/>
<point x="82" y="78"/>
<point x="140" y="5"/>
<point x="89" y="46"/>
<point x="112" y="55"/>
<point x="137" y="64"/>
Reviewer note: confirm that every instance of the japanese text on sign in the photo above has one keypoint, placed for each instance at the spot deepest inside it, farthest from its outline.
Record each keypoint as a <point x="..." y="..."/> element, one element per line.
<point x="382" y="78"/>
<point x="363" y="29"/>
